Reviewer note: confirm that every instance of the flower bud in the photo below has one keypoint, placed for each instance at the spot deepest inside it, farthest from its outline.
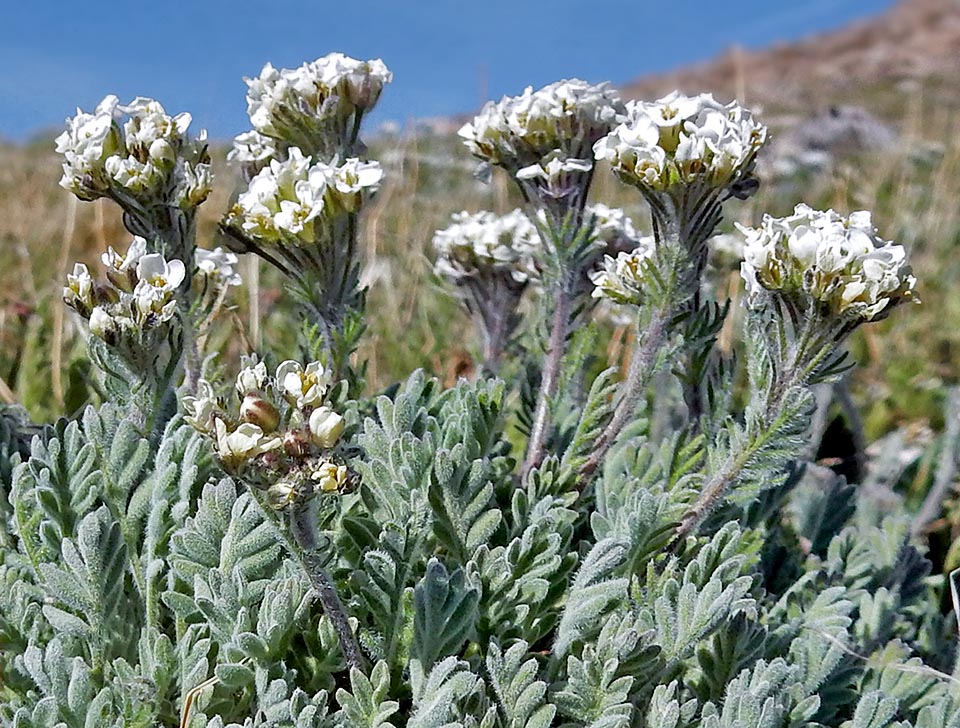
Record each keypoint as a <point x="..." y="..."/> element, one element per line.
<point x="162" y="152"/>
<point x="251" y="379"/>
<point x="296" y="443"/>
<point x="103" y="326"/>
<point x="259" y="412"/>
<point x="326" y="426"/>
<point x="281" y="494"/>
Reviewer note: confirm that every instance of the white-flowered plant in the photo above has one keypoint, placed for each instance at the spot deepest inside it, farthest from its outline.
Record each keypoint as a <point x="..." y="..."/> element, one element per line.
<point x="289" y="549"/>
<point x="836" y="263"/>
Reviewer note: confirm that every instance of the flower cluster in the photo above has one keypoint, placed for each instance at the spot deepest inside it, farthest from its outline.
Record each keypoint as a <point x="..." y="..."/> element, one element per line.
<point x="484" y="242"/>
<point x="291" y="200"/>
<point x="311" y="106"/>
<point x="621" y="279"/>
<point x="282" y="436"/>
<point x="837" y="263"/>
<point x="138" y="295"/>
<point x="682" y="140"/>
<point x="218" y="267"/>
<point x="545" y="134"/>
<point x="147" y="157"/>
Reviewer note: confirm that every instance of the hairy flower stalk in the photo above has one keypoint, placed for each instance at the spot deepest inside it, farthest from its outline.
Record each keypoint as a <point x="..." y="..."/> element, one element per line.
<point x="306" y="186"/>
<point x="812" y="278"/>
<point x="544" y="140"/>
<point x="686" y="156"/>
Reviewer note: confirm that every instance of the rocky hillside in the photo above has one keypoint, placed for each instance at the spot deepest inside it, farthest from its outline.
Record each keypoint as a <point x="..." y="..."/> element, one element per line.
<point x="910" y="51"/>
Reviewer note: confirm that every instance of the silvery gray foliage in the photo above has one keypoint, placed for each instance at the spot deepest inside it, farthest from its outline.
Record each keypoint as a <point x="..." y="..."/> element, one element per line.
<point x="521" y="552"/>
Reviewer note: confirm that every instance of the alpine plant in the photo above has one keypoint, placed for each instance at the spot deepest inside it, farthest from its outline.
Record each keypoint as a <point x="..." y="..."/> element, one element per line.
<point x="538" y="545"/>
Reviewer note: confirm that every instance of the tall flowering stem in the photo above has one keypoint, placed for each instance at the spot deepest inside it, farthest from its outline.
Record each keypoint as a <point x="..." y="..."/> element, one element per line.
<point x="544" y="140"/>
<point x="812" y="278"/>
<point x="306" y="185"/>
<point x="686" y="156"/>
<point x="144" y="160"/>
<point x="285" y="445"/>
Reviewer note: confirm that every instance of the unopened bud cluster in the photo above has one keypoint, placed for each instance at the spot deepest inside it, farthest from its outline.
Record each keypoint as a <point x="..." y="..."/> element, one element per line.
<point x="136" y="151"/>
<point x="281" y="437"/>
<point x="139" y="293"/>
<point x="838" y="264"/>
<point x="682" y="140"/>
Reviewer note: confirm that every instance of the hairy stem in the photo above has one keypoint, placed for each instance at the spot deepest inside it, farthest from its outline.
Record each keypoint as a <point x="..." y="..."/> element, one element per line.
<point x="550" y="378"/>
<point x="769" y="413"/>
<point x="642" y="368"/>
<point x="300" y="542"/>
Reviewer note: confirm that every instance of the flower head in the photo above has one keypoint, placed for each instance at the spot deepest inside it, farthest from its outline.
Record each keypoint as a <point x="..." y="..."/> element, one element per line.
<point x="622" y="279"/>
<point x="837" y="263"/>
<point x="290" y="103"/>
<point x="482" y="243"/>
<point x="681" y="140"/>
<point x="135" y="150"/>
<point x="200" y="410"/>
<point x="303" y="386"/>
<point x="521" y="132"/>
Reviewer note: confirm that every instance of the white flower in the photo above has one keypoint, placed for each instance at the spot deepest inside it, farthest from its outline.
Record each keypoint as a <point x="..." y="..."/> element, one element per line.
<point x="252" y="378"/>
<point x="304" y="387"/>
<point x="102" y="325"/>
<point x="252" y="148"/>
<point x="243" y="443"/>
<point x="351" y="179"/>
<point x="114" y="261"/>
<point x="218" y="264"/>
<point x="520" y="131"/>
<point x="159" y="273"/>
<point x="682" y="139"/>
<point x="326" y="426"/>
<point x="78" y="293"/>
<point x="330" y="477"/>
<point x="555" y="171"/>
<point x="200" y="410"/>
<point x="622" y="279"/>
<point x="835" y="261"/>
<point x="484" y="242"/>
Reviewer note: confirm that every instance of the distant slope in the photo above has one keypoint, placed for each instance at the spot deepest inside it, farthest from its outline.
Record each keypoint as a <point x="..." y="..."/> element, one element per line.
<point x="884" y="60"/>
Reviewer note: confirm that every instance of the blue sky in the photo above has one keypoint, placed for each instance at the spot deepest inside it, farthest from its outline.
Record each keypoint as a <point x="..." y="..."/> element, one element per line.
<point x="445" y="54"/>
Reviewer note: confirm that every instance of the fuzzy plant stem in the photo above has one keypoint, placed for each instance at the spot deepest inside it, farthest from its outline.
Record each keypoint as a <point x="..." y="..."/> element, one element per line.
<point x="550" y="378"/>
<point x="306" y="555"/>
<point x="300" y="542"/>
<point x="642" y="369"/>
<point x="808" y="356"/>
